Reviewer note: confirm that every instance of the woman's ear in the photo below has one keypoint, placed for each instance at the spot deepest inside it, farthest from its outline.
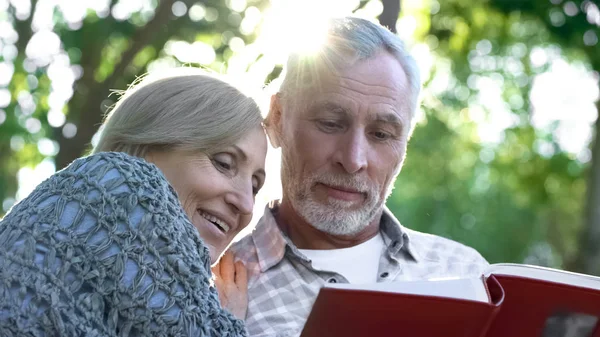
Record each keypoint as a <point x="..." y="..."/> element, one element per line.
<point x="273" y="121"/>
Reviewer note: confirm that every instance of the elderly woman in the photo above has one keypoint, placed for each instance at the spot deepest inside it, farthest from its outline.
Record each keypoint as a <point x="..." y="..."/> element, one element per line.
<point x="120" y="243"/>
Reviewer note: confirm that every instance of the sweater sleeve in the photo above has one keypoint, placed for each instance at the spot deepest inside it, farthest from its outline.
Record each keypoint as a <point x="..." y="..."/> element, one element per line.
<point x="104" y="247"/>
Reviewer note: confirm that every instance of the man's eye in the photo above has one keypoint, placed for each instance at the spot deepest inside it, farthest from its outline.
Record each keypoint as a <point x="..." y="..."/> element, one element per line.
<point x="381" y="135"/>
<point x="329" y="125"/>
<point x="256" y="186"/>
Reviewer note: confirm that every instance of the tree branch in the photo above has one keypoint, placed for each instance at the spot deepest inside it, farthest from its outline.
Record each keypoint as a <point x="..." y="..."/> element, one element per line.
<point x="389" y="15"/>
<point x="24" y="29"/>
<point x="589" y="257"/>
<point x="89" y="106"/>
<point x="142" y="38"/>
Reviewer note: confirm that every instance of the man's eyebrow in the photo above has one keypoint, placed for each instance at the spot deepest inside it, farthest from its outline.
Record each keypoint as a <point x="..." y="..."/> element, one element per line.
<point x="388" y="118"/>
<point x="331" y="107"/>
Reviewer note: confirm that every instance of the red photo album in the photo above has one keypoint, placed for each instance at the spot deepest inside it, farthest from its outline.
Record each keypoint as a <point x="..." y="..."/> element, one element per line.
<point x="509" y="300"/>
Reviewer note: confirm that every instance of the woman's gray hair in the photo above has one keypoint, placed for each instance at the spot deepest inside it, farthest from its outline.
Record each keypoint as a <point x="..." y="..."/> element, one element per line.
<point x="186" y="109"/>
<point x="348" y="40"/>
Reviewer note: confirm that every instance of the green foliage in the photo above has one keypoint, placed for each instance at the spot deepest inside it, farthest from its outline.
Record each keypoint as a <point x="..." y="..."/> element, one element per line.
<point x="507" y="199"/>
<point x="510" y="199"/>
<point x="105" y="51"/>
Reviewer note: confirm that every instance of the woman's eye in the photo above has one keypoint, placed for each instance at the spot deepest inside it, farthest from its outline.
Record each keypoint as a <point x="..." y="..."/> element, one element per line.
<point x="223" y="165"/>
<point x="223" y="162"/>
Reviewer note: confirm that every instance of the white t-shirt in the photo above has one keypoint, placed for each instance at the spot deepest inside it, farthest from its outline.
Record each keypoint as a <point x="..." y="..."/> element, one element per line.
<point x="358" y="264"/>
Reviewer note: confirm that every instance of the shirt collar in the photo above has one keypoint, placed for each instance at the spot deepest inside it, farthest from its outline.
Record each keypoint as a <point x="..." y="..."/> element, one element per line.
<point x="399" y="236"/>
<point x="268" y="239"/>
<point x="271" y="242"/>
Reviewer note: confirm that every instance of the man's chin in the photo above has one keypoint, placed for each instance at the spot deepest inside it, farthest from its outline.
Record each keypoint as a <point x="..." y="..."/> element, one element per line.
<point x="332" y="221"/>
<point x="339" y="228"/>
<point x="329" y="204"/>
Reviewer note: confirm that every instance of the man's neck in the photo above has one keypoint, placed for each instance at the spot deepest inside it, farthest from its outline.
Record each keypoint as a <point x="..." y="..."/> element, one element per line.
<point x="305" y="236"/>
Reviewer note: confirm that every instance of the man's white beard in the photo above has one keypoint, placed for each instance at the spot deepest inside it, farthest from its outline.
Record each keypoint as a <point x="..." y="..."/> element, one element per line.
<point x="336" y="217"/>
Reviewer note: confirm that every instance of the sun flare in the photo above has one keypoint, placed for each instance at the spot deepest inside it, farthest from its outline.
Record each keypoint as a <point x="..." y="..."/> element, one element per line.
<point x="299" y="26"/>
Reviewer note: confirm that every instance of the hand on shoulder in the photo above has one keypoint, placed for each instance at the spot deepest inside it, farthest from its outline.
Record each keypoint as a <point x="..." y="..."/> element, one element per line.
<point x="231" y="281"/>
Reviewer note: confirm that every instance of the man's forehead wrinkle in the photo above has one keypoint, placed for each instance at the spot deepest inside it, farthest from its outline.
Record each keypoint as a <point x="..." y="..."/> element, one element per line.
<point x="372" y="85"/>
<point x="368" y="89"/>
<point x="334" y="107"/>
<point x="387" y="97"/>
<point x="391" y="98"/>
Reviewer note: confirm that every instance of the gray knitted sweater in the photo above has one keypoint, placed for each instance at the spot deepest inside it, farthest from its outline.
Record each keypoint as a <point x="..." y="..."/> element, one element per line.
<point x="103" y="248"/>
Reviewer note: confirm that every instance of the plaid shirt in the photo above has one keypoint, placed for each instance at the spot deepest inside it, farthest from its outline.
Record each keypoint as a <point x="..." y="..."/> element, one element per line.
<point x="283" y="285"/>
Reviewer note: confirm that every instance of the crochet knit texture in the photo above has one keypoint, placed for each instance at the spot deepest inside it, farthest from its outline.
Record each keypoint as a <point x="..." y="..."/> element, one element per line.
<point x="104" y="248"/>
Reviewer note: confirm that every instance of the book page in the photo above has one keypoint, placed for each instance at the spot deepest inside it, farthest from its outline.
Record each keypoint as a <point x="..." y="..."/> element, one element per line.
<point x="471" y="289"/>
<point x="545" y="274"/>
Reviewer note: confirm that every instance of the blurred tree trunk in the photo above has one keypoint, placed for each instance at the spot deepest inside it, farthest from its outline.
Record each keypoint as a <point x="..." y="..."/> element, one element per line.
<point x="24" y="30"/>
<point x="389" y="15"/>
<point x="589" y="254"/>
<point x="571" y="36"/>
<point x="90" y="93"/>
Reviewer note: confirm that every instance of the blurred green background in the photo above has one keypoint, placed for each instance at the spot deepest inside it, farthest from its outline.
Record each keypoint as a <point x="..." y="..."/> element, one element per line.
<point x="504" y="157"/>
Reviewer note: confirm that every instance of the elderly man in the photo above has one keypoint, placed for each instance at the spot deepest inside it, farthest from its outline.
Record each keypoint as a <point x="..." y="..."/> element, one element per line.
<point x="342" y="118"/>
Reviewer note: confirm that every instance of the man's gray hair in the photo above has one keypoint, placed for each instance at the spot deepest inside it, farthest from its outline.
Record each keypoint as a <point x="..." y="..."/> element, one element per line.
<point x="348" y="40"/>
<point x="186" y="109"/>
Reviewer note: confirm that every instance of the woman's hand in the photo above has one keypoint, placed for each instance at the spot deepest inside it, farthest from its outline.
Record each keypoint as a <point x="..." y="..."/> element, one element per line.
<point x="232" y="285"/>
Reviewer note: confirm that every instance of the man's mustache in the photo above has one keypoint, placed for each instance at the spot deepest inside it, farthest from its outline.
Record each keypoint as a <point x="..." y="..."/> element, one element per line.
<point x="352" y="183"/>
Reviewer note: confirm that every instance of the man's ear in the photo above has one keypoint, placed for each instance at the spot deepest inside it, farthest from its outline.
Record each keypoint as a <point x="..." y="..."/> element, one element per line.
<point x="273" y="121"/>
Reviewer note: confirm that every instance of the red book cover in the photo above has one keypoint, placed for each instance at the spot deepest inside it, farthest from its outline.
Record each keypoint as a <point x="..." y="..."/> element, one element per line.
<point x="541" y="308"/>
<point x="517" y="301"/>
<point x="346" y="312"/>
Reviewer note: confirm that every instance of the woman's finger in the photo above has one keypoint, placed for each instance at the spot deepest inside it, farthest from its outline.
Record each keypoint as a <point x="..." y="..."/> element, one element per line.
<point x="216" y="270"/>
<point x="227" y="267"/>
<point x="241" y="276"/>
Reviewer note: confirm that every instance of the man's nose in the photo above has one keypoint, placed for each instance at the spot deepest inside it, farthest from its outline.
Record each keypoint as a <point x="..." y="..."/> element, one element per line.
<point x="352" y="152"/>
